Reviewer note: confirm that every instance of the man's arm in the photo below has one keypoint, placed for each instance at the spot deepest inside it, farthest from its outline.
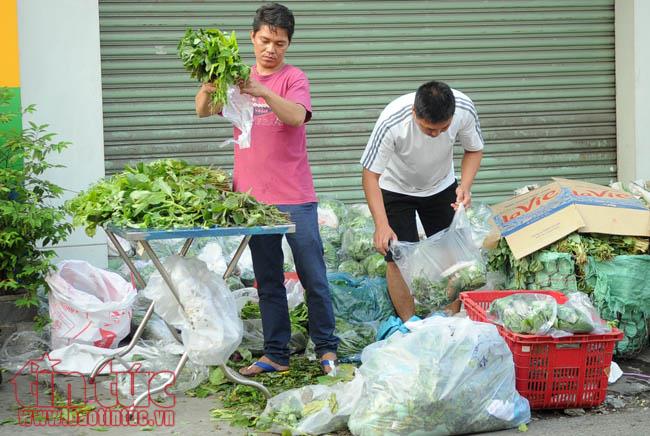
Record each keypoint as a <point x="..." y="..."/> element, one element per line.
<point x="468" y="169"/>
<point x="383" y="232"/>
<point x="202" y="101"/>
<point x="293" y="114"/>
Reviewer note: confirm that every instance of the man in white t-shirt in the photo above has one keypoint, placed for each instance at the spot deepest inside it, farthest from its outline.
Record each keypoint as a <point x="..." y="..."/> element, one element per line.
<point x="408" y="167"/>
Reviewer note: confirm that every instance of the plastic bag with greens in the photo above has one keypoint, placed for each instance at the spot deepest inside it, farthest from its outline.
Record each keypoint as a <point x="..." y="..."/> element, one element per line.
<point x="357" y="238"/>
<point x="448" y="376"/>
<point x="578" y="315"/>
<point x="438" y="268"/>
<point x="313" y="409"/>
<point x="359" y="300"/>
<point x="526" y="313"/>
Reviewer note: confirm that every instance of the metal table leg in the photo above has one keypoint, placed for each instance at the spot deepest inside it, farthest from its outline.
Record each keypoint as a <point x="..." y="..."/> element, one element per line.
<point x="148" y="314"/>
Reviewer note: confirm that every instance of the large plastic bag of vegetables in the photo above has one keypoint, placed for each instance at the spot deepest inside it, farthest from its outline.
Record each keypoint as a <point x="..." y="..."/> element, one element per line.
<point x="360" y="300"/>
<point x="313" y="409"/>
<point x="210" y="325"/>
<point x="448" y="376"/>
<point x="438" y="268"/>
<point x="621" y="291"/>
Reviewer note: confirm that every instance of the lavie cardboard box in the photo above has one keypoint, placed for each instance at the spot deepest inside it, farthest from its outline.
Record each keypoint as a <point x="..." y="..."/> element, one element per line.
<point x="540" y="217"/>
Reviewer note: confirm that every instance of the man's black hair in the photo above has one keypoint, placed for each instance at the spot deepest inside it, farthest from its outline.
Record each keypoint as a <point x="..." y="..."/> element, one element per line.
<point x="434" y="102"/>
<point x="274" y="15"/>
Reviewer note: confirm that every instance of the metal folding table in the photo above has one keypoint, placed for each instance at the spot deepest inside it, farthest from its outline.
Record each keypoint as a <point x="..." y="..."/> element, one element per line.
<point x="143" y="237"/>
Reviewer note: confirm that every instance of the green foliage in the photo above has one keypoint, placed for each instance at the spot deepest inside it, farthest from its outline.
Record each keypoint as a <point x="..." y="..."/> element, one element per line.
<point x="579" y="245"/>
<point x="168" y="194"/>
<point x="435" y="294"/>
<point x="30" y="222"/>
<point x="525" y="313"/>
<point x="211" y="56"/>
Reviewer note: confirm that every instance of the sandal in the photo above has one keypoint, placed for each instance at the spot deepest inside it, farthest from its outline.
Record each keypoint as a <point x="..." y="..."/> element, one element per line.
<point x="265" y="367"/>
<point x="329" y="363"/>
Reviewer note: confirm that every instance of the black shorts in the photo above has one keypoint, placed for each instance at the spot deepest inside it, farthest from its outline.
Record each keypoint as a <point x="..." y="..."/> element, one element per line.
<point x="435" y="213"/>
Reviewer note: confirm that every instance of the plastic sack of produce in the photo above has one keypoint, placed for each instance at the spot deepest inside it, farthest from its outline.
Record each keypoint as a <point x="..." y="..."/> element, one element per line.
<point x="89" y="305"/>
<point x="210" y="325"/>
<point x="448" y="376"/>
<point x="438" y="268"/>
<point x="360" y="300"/>
<point x="620" y="292"/>
<point x="529" y="313"/>
<point x="353" y="338"/>
<point x="578" y="315"/>
<point x="479" y="216"/>
<point x="313" y="409"/>
<point x="357" y="238"/>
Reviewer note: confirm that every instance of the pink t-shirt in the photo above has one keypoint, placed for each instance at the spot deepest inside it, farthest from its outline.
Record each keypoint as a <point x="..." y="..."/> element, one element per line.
<point x="275" y="168"/>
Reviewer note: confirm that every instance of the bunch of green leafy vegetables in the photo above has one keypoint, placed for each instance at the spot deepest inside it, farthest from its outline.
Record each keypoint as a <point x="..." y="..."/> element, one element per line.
<point x="241" y="405"/>
<point x="297" y="316"/>
<point x="435" y="294"/>
<point x="212" y="56"/>
<point x="354" y="336"/>
<point x="169" y="194"/>
<point x="580" y="246"/>
<point x="357" y="238"/>
<point x="528" y="313"/>
<point x="571" y="320"/>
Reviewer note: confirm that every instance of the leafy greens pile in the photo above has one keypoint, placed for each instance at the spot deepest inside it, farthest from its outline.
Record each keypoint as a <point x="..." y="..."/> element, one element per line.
<point x="211" y="56"/>
<point x="435" y="294"/>
<point x="524" y="273"/>
<point x="168" y="194"/>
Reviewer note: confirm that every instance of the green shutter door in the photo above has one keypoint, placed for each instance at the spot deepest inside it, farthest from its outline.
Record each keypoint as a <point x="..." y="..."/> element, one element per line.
<point x="541" y="73"/>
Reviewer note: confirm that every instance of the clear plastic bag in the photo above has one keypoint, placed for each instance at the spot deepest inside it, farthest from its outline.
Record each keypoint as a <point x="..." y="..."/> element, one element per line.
<point x="528" y="313"/>
<point x="239" y="111"/>
<point x="210" y="325"/>
<point x="23" y="346"/>
<point x="89" y="305"/>
<point x="447" y="376"/>
<point x="313" y="409"/>
<point x="438" y="268"/>
<point x="479" y="215"/>
<point x="578" y="315"/>
<point x="160" y="359"/>
<point x="357" y="238"/>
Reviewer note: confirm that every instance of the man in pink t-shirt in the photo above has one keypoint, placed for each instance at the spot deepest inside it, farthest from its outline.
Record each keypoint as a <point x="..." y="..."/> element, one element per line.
<point x="275" y="170"/>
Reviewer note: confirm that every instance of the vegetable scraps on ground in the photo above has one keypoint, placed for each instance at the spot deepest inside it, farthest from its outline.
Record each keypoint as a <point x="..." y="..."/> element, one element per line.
<point x="169" y="194"/>
<point x="212" y="56"/>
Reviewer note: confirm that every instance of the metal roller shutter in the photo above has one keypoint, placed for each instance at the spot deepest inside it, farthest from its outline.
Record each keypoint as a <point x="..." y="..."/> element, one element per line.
<point x="541" y="73"/>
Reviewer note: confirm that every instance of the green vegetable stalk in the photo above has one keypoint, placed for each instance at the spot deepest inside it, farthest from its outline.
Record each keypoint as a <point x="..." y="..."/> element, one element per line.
<point x="211" y="56"/>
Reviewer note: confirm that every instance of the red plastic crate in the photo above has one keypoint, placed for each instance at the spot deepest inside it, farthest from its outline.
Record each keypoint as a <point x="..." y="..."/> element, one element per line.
<point x="552" y="373"/>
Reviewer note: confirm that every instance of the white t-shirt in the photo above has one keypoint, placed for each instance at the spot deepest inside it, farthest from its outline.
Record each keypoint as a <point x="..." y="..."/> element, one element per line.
<point x="411" y="162"/>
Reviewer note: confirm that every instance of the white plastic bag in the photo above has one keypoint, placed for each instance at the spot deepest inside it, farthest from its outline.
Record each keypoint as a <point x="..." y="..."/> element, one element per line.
<point x="313" y="409"/>
<point x="438" y="268"/>
<point x="239" y="111"/>
<point x="210" y="325"/>
<point x="447" y="376"/>
<point x="89" y="305"/>
<point x="212" y="255"/>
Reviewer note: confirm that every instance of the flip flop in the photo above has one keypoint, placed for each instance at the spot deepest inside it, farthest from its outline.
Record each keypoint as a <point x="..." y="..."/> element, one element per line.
<point x="331" y="363"/>
<point x="265" y="368"/>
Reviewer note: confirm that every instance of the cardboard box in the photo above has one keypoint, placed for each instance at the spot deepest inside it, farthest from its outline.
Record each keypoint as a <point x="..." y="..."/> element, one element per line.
<point x="540" y="217"/>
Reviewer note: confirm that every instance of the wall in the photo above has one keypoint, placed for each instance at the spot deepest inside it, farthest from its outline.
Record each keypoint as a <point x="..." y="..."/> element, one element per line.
<point x="9" y="73"/>
<point x="60" y="72"/>
<point x="633" y="89"/>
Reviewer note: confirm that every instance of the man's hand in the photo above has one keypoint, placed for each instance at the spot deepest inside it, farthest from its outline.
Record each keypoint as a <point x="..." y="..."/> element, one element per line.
<point x="208" y="88"/>
<point x="463" y="196"/>
<point x="382" y="238"/>
<point x="254" y="88"/>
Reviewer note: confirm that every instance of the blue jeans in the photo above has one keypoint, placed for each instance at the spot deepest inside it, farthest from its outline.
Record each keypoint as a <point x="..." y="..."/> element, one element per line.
<point x="268" y="264"/>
